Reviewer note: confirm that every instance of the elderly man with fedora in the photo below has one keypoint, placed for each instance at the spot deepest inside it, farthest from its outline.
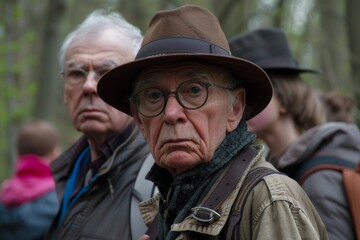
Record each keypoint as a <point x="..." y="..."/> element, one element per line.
<point x="294" y="128"/>
<point x="191" y="100"/>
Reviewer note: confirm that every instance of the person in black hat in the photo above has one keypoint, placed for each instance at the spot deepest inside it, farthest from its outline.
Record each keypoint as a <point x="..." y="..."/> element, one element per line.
<point x="293" y="127"/>
<point x="295" y="106"/>
<point x="191" y="100"/>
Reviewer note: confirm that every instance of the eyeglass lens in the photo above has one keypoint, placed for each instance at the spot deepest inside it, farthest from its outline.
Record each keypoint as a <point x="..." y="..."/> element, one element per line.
<point x="190" y="95"/>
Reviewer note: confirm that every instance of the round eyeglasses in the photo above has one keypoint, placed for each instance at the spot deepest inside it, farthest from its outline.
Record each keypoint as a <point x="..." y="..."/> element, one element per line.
<point x="151" y="102"/>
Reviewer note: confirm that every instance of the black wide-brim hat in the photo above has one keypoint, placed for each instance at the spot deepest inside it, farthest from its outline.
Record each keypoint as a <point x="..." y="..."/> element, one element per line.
<point x="267" y="48"/>
<point x="185" y="34"/>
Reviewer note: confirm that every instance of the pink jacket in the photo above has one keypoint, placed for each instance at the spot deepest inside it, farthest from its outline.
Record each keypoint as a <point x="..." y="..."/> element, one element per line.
<point x="32" y="179"/>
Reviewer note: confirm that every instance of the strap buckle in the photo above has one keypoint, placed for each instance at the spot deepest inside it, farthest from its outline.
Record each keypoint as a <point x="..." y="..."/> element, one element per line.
<point x="204" y="214"/>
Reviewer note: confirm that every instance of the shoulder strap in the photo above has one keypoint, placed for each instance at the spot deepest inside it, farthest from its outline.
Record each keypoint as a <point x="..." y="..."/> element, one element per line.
<point x="351" y="180"/>
<point x="205" y="213"/>
<point x="143" y="189"/>
<point x="251" y="180"/>
<point x="153" y="230"/>
<point x="321" y="163"/>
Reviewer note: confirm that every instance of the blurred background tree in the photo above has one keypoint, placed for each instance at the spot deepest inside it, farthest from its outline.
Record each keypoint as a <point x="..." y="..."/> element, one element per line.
<point x="323" y="35"/>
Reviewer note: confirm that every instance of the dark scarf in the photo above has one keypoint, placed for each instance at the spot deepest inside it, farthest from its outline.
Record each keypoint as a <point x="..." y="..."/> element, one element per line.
<point x="188" y="189"/>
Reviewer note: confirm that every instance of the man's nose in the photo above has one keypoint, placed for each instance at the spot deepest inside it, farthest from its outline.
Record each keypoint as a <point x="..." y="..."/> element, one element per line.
<point x="91" y="81"/>
<point x="173" y="111"/>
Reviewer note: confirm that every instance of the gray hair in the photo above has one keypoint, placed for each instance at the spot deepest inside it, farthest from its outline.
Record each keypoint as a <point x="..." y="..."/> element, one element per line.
<point x="96" y="23"/>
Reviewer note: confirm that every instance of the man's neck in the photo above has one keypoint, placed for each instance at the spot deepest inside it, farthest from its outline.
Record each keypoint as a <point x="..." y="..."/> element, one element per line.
<point x="95" y="144"/>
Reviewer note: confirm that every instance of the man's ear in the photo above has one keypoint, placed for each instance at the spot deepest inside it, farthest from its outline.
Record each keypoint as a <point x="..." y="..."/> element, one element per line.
<point x="237" y="110"/>
<point x="135" y="115"/>
<point x="282" y="109"/>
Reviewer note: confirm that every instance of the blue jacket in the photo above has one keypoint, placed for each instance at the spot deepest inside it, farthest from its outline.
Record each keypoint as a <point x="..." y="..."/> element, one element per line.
<point x="28" y="221"/>
<point x="103" y="211"/>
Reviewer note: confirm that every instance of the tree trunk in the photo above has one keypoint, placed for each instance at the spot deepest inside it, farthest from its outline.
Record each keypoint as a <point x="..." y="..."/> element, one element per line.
<point x="352" y="11"/>
<point x="11" y="78"/>
<point x="334" y="58"/>
<point x="48" y="82"/>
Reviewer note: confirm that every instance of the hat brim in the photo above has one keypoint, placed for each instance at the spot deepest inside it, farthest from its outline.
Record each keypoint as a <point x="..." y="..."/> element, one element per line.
<point x="297" y="70"/>
<point x="115" y="87"/>
<point x="283" y="65"/>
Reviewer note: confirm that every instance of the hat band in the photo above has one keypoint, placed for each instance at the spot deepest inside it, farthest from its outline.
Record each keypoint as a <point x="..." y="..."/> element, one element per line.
<point x="175" y="45"/>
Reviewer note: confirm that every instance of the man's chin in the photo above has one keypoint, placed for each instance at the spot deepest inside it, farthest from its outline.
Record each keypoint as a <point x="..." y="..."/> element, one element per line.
<point x="91" y="127"/>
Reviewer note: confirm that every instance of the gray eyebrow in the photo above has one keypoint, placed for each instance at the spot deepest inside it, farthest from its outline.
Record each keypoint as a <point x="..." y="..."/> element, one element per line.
<point x="143" y="83"/>
<point x="107" y="63"/>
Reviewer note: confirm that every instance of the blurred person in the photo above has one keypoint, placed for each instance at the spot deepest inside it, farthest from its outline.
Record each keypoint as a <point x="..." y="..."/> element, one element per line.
<point x="295" y="106"/>
<point x="28" y="201"/>
<point x="294" y="127"/>
<point x="95" y="177"/>
<point x="190" y="98"/>
<point x="339" y="107"/>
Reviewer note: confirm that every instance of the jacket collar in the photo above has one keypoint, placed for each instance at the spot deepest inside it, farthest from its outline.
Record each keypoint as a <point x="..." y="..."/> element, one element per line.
<point x="149" y="208"/>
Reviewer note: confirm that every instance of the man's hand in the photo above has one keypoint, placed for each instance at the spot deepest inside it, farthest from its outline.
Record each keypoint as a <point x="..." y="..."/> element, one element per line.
<point x="145" y="237"/>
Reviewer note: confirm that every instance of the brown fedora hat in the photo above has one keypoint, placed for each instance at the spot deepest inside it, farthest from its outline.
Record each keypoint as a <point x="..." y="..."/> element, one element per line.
<point x="187" y="33"/>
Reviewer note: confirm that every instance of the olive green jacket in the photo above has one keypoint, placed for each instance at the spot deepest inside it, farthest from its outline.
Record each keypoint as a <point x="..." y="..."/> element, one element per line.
<point x="277" y="208"/>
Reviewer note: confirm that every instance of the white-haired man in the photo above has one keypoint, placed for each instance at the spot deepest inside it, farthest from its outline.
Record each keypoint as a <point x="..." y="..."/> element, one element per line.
<point x="95" y="177"/>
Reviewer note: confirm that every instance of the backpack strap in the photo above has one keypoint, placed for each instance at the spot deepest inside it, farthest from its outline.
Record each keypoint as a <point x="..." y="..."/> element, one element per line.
<point x="252" y="179"/>
<point x="321" y="163"/>
<point x="207" y="211"/>
<point x="143" y="189"/>
<point x="153" y="230"/>
<point x="351" y="179"/>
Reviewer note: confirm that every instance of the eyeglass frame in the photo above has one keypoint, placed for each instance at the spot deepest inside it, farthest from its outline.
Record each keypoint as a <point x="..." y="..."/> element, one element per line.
<point x="175" y="93"/>
<point x="85" y="75"/>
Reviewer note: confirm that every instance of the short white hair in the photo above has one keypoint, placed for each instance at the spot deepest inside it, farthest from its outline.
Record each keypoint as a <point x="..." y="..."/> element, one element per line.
<point x="96" y="23"/>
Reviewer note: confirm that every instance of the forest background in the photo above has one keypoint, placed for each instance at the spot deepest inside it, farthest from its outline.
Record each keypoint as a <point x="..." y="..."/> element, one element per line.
<point x="323" y="35"/>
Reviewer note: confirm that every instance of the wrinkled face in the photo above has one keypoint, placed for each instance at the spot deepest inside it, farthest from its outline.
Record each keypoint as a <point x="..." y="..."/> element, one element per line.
<point x="182" y="138"/>
<point x="85" y="61"/>
<point x="264" y="122"/>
